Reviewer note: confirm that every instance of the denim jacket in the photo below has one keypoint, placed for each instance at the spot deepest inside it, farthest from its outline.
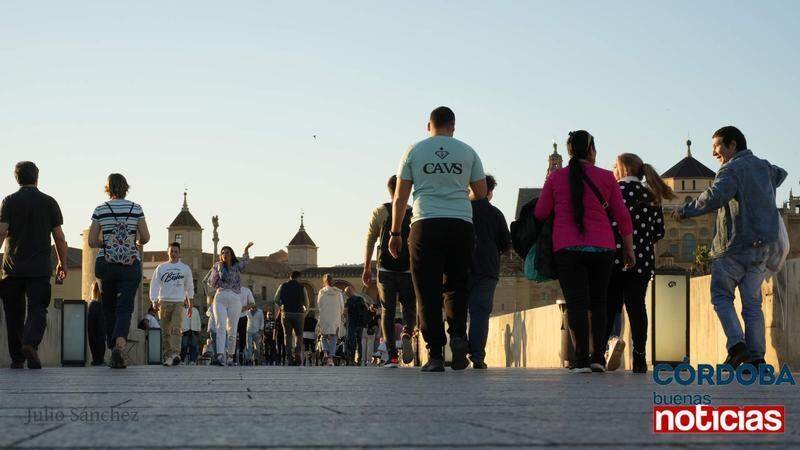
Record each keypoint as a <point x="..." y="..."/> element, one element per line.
<point x="743" y="194"/>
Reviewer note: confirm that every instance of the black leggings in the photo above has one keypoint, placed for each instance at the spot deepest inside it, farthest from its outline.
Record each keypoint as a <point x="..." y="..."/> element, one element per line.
<point x="631" y="290"/>
<point x="584" y="278"/>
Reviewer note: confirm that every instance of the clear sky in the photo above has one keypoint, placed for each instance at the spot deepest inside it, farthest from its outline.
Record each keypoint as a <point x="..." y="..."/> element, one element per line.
<point x="225" y="97"/>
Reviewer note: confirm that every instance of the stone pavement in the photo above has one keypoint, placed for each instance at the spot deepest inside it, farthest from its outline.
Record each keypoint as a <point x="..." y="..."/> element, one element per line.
<point x="321" y="407"/>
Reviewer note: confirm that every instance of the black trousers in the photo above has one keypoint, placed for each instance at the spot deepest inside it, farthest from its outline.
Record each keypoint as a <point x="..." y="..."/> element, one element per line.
<point x="629" y="289"/>
<point x="441" y="255"/>
<point x="22" y="328"/>
<point x="584" y="278"/>
<point x="96" y="330"/>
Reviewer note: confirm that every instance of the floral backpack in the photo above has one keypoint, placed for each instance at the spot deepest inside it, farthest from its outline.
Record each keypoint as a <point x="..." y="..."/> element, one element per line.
<point x="122" y="248"/>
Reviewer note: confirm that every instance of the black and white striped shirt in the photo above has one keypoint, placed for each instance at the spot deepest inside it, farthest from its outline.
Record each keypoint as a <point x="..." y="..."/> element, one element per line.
<point x="103" y="216"/>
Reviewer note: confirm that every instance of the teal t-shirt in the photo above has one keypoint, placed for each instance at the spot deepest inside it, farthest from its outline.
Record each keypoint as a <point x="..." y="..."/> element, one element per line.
<point x="441" y="169"/>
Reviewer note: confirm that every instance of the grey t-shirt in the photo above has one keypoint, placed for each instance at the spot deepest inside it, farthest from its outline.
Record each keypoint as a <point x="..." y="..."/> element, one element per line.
<point x="441" y="169"/>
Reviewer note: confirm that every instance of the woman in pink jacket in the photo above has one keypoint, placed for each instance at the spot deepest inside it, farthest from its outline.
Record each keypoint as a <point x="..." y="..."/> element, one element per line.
<point x="584" y="244"/>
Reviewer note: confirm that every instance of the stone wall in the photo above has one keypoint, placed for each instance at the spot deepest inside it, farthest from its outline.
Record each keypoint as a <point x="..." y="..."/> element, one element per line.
<point x="532" y="337"/>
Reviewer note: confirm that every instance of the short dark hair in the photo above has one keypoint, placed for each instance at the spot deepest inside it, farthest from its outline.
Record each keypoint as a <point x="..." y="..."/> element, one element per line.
<point x="491" y="183"/>
<point x="731" y="133"/>
<point x="392" y="184"/>
<point x="26" y="173"/>
<point x="295" y="275"/>
<point x="442" y="117"/>
<point x="175" y="244"/>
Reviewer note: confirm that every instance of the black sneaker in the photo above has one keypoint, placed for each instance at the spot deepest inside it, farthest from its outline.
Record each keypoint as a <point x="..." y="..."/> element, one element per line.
<point x="408" y="348"/>
<point x="434" y="365"/>
<point x="736" y="355"/>
<point x="758" y="362"/>
<point x="31" y="357"/>
<point x="639" y="362"/>
<point x="479" y="365"/>
<point x="459" y="347"/>
<point x="116" y="361"/>
<point x="17" y="364"/>
<point x="176" y="361"/>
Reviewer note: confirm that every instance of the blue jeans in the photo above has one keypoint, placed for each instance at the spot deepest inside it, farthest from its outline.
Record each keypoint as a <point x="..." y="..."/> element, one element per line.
<point x="118" y="287"/>
<point x="189" y="345"/>
<point x="481" y="299"/>
<point x="253" y="340"/>
<point x="745" y="270"/>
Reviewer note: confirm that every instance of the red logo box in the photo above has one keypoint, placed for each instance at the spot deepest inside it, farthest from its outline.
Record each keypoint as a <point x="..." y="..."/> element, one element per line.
<point x="719" y="419"/>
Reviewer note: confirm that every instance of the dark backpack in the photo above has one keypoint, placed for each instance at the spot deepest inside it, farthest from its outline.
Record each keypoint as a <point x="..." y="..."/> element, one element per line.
<point x="525" y="230"/>
<point x="385" y="259"/>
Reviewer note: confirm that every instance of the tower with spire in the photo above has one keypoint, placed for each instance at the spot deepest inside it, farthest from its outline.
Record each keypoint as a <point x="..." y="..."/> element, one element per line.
<point x="186" y="231"/>
<point x="554" y="161"/>
<point x="302" y="249"/>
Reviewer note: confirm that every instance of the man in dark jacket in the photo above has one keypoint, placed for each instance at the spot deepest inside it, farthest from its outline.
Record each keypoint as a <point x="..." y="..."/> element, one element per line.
<point x="293" y="299"/>
<point x="491" y="239"/>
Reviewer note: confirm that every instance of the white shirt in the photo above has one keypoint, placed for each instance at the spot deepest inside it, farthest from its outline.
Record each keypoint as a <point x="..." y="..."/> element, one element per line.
<point x="247" y="298"/>
<point x="172" y="282"/>
<point x="192" y="323"/>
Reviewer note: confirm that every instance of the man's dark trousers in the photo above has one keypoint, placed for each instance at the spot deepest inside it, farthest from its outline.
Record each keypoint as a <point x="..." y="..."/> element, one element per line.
<point x="25" y="329"/>
<point x="441" y="249"/>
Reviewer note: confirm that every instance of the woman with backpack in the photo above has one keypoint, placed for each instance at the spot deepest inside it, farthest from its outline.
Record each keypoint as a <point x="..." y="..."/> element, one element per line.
<point x="330" y="302"/>
<point x="225" y="281"/>
<point x="629" y="285"/>
<point x="119" y="230"/>
<point x="586" y="202"/>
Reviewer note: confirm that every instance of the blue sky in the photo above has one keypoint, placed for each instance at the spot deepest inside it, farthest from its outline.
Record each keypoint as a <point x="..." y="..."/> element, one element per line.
<point x="224" y="98"/>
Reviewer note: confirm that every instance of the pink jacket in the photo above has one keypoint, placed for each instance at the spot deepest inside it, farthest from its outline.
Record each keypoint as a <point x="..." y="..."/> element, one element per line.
<point x="597" y="229"/>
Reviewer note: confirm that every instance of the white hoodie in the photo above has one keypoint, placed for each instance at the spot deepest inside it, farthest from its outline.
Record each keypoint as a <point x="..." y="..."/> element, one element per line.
<point x="172" y="282"/>
<point x="330" y="302"/>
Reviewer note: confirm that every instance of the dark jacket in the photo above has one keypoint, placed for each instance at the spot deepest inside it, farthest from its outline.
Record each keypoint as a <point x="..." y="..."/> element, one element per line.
<point x="292" y="296"/>
<point x="491" y="239"/>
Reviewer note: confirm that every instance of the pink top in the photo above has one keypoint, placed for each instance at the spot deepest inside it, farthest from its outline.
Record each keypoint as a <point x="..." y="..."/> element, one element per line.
<point x="597" y="229"/>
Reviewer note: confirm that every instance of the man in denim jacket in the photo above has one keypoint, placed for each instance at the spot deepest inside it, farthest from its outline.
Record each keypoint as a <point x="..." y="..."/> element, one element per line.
<point x="743" y="194"/>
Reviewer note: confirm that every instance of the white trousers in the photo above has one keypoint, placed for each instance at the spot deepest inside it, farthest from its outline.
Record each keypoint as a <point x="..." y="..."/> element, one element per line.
<point x="227" y="309"/>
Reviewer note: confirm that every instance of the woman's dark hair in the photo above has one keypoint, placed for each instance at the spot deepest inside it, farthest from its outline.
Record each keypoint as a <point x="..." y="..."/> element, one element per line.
<point x="117" y="186"/>
<point x="579" y="145"/>
<point x="234" y="259"/>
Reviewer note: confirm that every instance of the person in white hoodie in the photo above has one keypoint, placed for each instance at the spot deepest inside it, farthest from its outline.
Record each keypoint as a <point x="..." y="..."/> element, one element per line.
<point x="170" y="286"/>
<point x="330" y="302"/>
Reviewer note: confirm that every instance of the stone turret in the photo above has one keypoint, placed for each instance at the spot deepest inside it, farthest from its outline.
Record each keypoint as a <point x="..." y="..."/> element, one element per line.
<point x="302" y="250"/>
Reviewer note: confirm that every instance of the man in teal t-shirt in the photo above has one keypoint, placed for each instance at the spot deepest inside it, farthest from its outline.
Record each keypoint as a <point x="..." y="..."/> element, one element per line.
<point x="441" y="170"/>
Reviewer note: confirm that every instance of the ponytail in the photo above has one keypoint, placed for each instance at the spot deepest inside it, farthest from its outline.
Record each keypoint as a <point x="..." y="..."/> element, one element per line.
<point x="634" y="165"/>
<point x="579" y="145"/>
<point x="660" y="190"/>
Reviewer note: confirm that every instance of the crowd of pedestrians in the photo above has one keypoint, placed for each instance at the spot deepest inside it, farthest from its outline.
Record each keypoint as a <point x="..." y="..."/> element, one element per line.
<point x="439" y="259"/>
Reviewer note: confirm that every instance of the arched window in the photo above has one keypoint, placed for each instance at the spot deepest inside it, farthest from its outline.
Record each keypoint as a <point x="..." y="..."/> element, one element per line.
<point x="688" y="245"/>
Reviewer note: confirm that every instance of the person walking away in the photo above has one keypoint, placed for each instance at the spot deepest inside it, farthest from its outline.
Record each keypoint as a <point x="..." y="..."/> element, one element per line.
<point x="28" y="218"/>
<point x="743" y="195"/>
<point x="629" y="286"/>
<point x="255" y="326"/>
<point x="441" y="169"/>
<point x="356" y="317"/>
<point x="394" y="277"/>
<point x="190" y="333"/>
<point x="492" y="238"/>
<point x="310" y="339"/>
<point x="95" y="329"/>
<point x="293" y="298"/>
<point x="279" y="336"/>
<point x="170" y="288"/>
<point x="120" y="231"/>
<point x="225" y="281"/>
<point x="330" y="301"/>
<point x="369" y="334"/>
<point x="583" y="243"/>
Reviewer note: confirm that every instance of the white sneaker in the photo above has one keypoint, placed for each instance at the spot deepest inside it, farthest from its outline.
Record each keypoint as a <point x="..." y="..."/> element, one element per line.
<point x="615" y="348"/>
<point x="580" y="370"/>
<point x="597" y="367"/>
<point x="168" y="362"/>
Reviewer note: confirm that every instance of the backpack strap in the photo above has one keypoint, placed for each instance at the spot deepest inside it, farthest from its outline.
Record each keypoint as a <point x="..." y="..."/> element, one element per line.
<point x="600" y="197"/>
